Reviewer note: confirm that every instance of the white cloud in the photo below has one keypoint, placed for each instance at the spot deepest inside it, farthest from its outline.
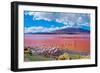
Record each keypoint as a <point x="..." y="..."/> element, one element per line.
<point x="40" y="18"/>
<point x="42" y="29"/>
<point x="79" y="20"/>
<point x="59" y="21"/>
<point x="84" y="24"/>
<point x="68" y="19"/>
<point x="40" y="15"/>
<point x="33" y="29"/>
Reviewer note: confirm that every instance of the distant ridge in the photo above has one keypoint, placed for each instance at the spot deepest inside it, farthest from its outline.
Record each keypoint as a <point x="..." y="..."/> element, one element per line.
<point x="72" y="30"/>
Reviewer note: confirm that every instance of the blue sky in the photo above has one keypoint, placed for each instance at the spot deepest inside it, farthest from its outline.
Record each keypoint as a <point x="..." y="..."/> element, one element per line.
<point x="50" y="21"/>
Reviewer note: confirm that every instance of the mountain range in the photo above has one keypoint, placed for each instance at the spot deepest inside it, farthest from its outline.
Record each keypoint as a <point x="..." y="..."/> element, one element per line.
<point x="72" y="30"/>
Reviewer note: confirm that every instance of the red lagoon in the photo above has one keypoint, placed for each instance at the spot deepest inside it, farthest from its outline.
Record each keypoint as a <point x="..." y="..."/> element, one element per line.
<point x="72" y="42"/>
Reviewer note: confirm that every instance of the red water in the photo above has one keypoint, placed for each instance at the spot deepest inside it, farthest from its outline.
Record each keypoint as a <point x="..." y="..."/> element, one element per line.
<point x="78" y="43"/>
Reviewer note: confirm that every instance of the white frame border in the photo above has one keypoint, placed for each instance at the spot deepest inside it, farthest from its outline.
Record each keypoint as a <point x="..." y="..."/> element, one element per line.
<point x="22" y="64"/>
